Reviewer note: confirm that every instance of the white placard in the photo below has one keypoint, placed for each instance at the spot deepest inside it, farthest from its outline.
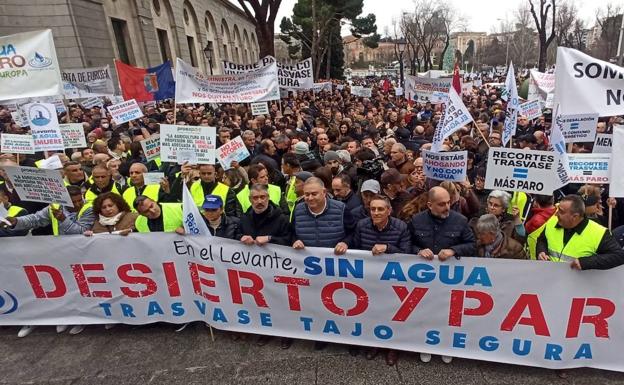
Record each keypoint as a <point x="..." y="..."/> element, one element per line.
<point x="194" y="87"/>
<point x="324" y="86"/>
<point x="17" y="144"/>
<point x="589" y="168"/>
<point x="291" y="77"/>
<point x="234" y="150"/>
<point x="151" y="147"/>
<point x="200" y="139"/>
<point x="578" y="128"/>
<point x="153" y="177"/>
<point x="186" y="156"/>
<point x="521" y="170"/>
<point x="421" y="89"/>
<point x="51" y="163"/>
<point x="398" y="91"/>
<point x="87" y="82"/>
<point x="20" y="118"/>
<point x="260" y="108"/>
<point x="39" y="185"/>
<point x="29" y="66"/>
<point x="540" y="86"/>
<point x="360" y="91"/>
<point x="455" y="116"/>
<point x="531" y="109"/>
<point x="73" y="135"/>
<point x="603" y="143"/>
<point x="92" y="102"/>
<point x="125" y="112"/>
<point x="449" y="166"/>
<point x="44" y="126"/>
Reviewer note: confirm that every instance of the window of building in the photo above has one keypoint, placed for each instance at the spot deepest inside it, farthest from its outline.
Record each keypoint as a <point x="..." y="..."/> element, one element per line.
<point x="163" y="44"/>
<point x="191" y="45"/>
<point x="120" y="30"/>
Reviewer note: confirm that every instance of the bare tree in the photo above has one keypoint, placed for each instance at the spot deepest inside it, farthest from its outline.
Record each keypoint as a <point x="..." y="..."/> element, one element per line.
<point x="523" y="37"/>
<point x="543" y="24"/>
<point x="263" y="16"/>
<point x="609" y="20"/>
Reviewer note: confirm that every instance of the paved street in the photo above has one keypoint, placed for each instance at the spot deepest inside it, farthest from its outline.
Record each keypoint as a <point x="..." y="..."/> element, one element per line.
<point x="156" y="355"/>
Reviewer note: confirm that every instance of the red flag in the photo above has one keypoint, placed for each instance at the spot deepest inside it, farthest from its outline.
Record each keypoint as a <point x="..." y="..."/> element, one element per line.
<point x="456" y="81"/>
<point x="132" y="82"/>
<point x="386" y="85"/>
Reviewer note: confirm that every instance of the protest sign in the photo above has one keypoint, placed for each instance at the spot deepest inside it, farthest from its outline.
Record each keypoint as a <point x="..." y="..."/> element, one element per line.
<point x="20" y="118"/>
<point x="194" y="87"/>
<point x="531" y="109"/>
<point x="589" y="168"/>
<point x="153" y="177"/>
<point x="186" y="156"/>
<point x="259" y="108"/>
<point x="421" y="89"/>
<point x="603" y="144"/>
<point x="558" y="145"/>
<point x="540" y="86"/>
<point x="455" y="117"/>
<point x="510" y="94"/>
<point x="17" y="144"/>
<point x="39" y="185"/>
<point x="445" y="165"/>
<point x="73" y="135"/>
<point x="87" y="82"/>
<point x="290" y="77"/>
<point x="521" y="170"/>
<point x="44" y="126"/>
<point x="438" y="97"/>
<point x="29" y="66"/>
<point x="395" y="301"/>
<point x="125" y="111"/>
<point x="151" y="147"/>
<point x="234" y="150"/>
<point x="324" y="86"/>
<point x="116" y="99"/>
<point x="361" y="91"/>
<point x="200" y="139"/>
<point x="577" y="128"/>
<point x="51" y="163"/>
<point x="398" y="91"/>
<point x="93" y="102"/>
<point x="588" y="85"/>
<point x="340" y="87"/>
<point x="616" y="188"/>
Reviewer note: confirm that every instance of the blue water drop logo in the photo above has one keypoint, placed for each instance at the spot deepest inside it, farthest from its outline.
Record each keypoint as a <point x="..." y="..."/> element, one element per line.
<point x="40" y="61"/>
<point x="8" y="303"/>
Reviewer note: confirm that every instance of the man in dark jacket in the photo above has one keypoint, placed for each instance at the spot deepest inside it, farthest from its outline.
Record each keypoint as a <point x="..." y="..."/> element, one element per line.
<point x="341" y="187"/>
<point x="217" y="222"/>
<point x="264" y="223"/>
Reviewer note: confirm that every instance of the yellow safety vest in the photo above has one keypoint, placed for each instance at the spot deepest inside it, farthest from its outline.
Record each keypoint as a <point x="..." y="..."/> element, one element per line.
<point x="172" y="219"/>
<point x="90" y="195"/>
<point x="151" y="191"/>
<point x="14" y="211"/>
<point x="520" y="200"/>
<point x="275" y="194"/>
<point x="579" y="246"/>
<point x="197" y="191"/>
<point x="54" y="221"/>
<point x="291" y="194"/>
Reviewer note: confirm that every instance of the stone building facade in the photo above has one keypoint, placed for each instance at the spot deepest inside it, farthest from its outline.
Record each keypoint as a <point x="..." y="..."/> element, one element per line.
<point x="142" y="33"/>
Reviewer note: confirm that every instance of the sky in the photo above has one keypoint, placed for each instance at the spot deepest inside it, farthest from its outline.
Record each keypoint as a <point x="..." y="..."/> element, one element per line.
<point x="473" y="11"/>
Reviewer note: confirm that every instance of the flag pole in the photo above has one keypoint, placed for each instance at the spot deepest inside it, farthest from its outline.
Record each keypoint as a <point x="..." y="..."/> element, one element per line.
<point x="610" y="216"/>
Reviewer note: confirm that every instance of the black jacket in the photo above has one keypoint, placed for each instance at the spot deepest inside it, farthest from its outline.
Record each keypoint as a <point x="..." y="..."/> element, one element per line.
<point x="228" y="228"/>
<point x="271" y="222"/>
<point x="395" y="235"/>
<point x="453" y="232"/>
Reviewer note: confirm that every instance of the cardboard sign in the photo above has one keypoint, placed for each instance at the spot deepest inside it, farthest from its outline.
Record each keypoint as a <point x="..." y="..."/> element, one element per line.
<point x="187" y="156"/>
<point x="51" y="163"/>
<point x="603" y="143"/>
<point x="421" y="89"/>
<point x="199" y="139"/>
<point x="260" y="108"/>
<point x="44" y="126"/>
<point x="73" y="135"/>
<point x="578" y="128"/>
<point x="17" y="144"/>
<point x="449" y="166"/>
<point x="360" y="91"/>
<point x="125" y="112"/>
<point x="521" y="170"/>
<point x="151" y="147"/>
<point x="531" y="109"/>
<point x="153" y="177"/>
<point x="234" y="150"/>
<point x="39" y="185"/>
<point x="589" y="168"/>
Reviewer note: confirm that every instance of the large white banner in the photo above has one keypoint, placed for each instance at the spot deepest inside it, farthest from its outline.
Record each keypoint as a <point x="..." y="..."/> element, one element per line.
<point x="616" y="189"/>
<point x="510" y="94"/>
<point x="199" y="139"/>
<point x="602" y="144"/>
<point x="521" y="170"/>
<point x="588" y="85"/>
<point x="589" y="168"/>
<point x="422" y="89"/>
<point x="87" y="82"/>
<point x="39" y="185"/>
<point x="291" y="77"/>
<point x="476" y="308"/>
<point x="29" y="66"/>
<point x="540" y="85"/>
<point x="194" y="87"/>
<point x="364" y="92"/>
<point x="455" y="116"/>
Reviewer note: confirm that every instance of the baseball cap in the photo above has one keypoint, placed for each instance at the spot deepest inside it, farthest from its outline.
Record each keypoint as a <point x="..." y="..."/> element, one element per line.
<point x="212" y="202"/>
<point x="371" y="185"/>
<point x="391" y="176"/>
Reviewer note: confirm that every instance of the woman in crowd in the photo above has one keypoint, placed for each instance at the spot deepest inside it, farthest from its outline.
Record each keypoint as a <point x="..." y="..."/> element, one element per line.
<point x="113" y="215"/>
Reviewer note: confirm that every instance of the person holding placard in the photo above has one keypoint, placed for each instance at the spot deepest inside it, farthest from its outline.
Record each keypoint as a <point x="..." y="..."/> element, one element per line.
<point x="156" y="192"/>
<point x="9" y="210"/>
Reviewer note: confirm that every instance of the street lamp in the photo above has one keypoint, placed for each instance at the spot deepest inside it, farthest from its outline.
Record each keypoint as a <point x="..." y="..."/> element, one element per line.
<point x="208" y="55"/>
<point x="401" y="47"/>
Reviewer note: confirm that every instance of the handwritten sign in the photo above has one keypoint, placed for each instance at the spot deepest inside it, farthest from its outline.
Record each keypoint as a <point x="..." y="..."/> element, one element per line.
<point x="234" y="150"/>
<point x="151" y="147"/>
<point x="125" y="112"/>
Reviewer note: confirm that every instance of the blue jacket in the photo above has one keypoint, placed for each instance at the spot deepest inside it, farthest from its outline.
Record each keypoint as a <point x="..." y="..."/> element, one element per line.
<point x="325" y="230"/>
<point x="453" y="232"/>
<point x="395" y="235"/>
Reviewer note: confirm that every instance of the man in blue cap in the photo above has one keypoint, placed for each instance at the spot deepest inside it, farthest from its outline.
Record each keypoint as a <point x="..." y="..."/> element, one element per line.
<point x="218" y="223"/>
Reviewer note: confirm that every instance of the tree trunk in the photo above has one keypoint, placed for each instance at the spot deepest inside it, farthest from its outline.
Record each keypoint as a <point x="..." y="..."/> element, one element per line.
<point x="265" y="40"/>
<point x="542" y="56"/>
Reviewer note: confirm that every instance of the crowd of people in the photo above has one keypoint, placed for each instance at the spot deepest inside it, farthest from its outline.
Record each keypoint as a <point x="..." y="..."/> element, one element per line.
<point x="326" y="169"/>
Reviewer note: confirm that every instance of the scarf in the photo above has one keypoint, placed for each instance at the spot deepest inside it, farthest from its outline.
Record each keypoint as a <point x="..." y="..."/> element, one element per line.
<point x="112" y="221"/>
<point x="494" y="245"/>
